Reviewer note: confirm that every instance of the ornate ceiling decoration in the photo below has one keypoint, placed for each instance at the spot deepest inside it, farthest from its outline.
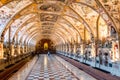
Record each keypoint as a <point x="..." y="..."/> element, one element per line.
<point x="39" y="1"/>
<point x="113" y="9"/>
<point x="50" y="7"/>
<point x="48" y="17"/>
<point x="49" y="13"/>
<point x="47" y="32"/>
<point x="47" y="27"/>
<point x="47" y="23"/>
<point x="4" y="1"/>
<point x="66" y="18"/>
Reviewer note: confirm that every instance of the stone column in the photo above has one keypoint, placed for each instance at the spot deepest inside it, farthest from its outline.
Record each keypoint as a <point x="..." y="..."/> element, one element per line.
<point x="18" y="49"/>
<point x="66" y="48"/>
<point x="93" y="52"/>
<point x="119" y="44"/>
<point x="60" y="48"/>
<point x="82" y="49"/>
<point x="63" y="47"/>
<point x="27" y="49"/>
<point x="23" y="49"/>
<point x="75" y="48"/>
<point x="69" y="49"/>
<point x="78" y="49"/>
<point x="12" y="49"/>
<point x="1" y="50"/>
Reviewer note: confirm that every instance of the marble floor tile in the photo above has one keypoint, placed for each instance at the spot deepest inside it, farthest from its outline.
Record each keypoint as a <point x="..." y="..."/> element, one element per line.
<point x="49" y="68"/>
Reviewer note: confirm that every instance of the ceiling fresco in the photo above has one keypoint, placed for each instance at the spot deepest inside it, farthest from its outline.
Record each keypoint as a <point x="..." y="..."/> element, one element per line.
<point x="50" y="7"/>
<point x="62" y="20"/>
<point x="48" y="17"/>
<point x="47" y="27"/>
<point x="47" y="23"/>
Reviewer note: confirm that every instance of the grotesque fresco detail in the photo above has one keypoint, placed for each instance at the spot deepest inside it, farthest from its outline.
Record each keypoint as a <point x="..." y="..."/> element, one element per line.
<point x="50" y="7"/>
<point x="61" y="0"/>
<point x="47" y="23"/>
<point x="41" y="1"/>
<point x="48" y="17"/>
<point x="46" y="32"/>
<point x="47" y="27"/>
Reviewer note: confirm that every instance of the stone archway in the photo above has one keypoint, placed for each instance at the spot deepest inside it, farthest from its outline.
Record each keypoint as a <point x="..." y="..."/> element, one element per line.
<point x="45" y="45"/>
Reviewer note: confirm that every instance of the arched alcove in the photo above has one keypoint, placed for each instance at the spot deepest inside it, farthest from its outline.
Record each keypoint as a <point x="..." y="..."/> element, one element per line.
<point x="45" y="45"/>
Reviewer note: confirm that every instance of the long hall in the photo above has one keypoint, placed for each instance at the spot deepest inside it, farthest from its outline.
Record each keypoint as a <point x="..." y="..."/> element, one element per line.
<point x="50" y="68"/>
<point x="59" y="39"/>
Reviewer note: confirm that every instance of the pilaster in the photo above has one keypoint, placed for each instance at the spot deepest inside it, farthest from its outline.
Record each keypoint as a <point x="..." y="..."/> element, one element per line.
<point x="1" y="50"/>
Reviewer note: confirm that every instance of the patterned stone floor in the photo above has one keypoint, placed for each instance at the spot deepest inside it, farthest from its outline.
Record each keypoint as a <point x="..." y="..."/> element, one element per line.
<point x="50" y="68"/>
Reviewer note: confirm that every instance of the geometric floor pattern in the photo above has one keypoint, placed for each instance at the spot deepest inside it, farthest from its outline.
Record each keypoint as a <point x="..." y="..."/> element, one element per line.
<point x="49" y="68"/>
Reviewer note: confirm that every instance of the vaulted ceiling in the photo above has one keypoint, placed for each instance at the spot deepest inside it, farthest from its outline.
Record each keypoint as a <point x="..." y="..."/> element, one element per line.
<point x="62" y="21"/>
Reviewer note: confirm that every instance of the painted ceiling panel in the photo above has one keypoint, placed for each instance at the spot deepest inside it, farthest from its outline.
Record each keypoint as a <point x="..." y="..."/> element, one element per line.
<point x="113" y="9"/>
<point x="91" y="3"/>
<point x="103" y="29"/>
<point x="88" y="14"/>
<point x="25" y="28"/>
<point x="12" y="4"/>
<point x="2" y="2"/>
<point x="18" y="23"/>
<point x="7" y="13"/>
